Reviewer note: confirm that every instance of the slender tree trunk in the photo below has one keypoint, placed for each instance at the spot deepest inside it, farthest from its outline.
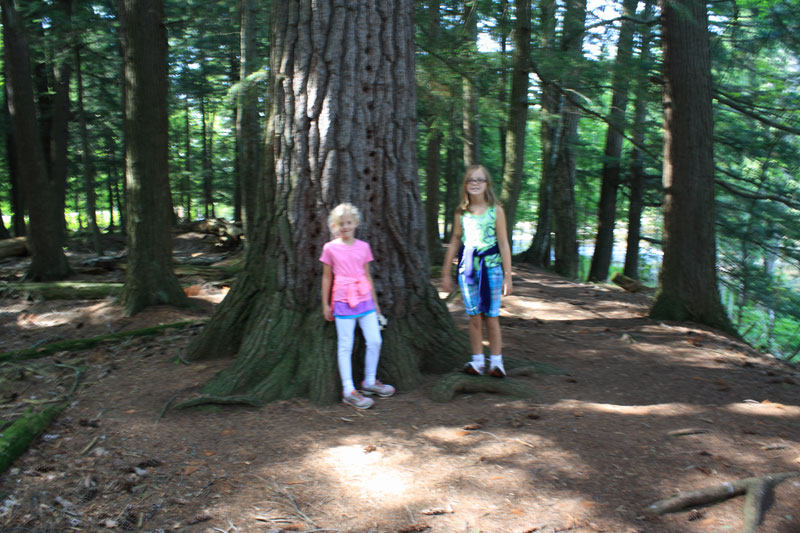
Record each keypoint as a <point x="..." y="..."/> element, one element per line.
<point x="149" y="277"/>
<point x="16" y="196"/>
<point x="517" y="114"/>
<point x="607" y="207"/>
<point x="565" y="215"/>
<point x="636" y="201"/>
<point x="48" y="262"/>
<point x="538" y="253"/>
<point x="248" y="130"/>
<point x="341" y="128"/>
<point x="688" y="281"/>
<point x="502" y="93"/>
<point x="88" y="164"/>
<point x="186" y="182"/>
<point x="433" y="164"/>
<point x="471" y="97"/>
<point x="205" y="163"/>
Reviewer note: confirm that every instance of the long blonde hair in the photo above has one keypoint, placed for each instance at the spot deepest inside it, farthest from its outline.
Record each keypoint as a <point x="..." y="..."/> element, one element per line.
<point x="491" y="198"/>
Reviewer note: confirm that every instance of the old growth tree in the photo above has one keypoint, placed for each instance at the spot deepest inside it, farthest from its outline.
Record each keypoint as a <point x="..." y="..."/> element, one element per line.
<point x="687" y="286"/>
<point x="341" y="128"/>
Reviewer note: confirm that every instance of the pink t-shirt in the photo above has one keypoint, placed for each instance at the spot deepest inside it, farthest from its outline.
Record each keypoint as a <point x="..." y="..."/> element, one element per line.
<point x="347" y="261"/>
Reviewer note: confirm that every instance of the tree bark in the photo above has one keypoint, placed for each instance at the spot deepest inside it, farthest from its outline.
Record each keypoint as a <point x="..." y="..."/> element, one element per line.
<point x="149" y="277"/>
<point x="687" y="288"/>
<point x="517" y="114"/>
<point x="636" y="180"/>
<point x="48" y="262"/>
<point x="607" y="206"/>
<point x="248" y="132"/>
<point x="564" y="211"/>
<point x="341" y="128"/>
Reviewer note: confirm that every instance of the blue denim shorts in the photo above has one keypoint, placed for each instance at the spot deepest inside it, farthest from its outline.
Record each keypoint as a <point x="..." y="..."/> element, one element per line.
<point x="469" y="292"/>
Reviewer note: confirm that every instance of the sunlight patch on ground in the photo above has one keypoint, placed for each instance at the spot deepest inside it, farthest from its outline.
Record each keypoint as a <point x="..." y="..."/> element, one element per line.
<point x="666" y="409"/>
<point x="764" y="408"/>
<point x="365" y="472"/>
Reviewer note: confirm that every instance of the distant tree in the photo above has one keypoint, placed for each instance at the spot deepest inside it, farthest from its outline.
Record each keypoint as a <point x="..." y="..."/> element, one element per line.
<point x="636" y="173"/>
<point x="517" y="113"/>
<point x="564" y="209"/>
<point x="149" y="279"/>
<point x="341" y="127"/>
<point x="610" y="180"/>
<point x="48" y="261"/>
<point x="687" y="288"/>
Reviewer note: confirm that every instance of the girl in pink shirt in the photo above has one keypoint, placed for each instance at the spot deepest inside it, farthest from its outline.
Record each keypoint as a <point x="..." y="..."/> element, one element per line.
<point x="351" y="299"/>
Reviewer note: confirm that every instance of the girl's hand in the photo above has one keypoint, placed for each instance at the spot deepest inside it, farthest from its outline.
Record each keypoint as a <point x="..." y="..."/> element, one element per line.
<point x="447" y="284"/>
<point x="327" y="313"/>
<point x="507" y="285"/>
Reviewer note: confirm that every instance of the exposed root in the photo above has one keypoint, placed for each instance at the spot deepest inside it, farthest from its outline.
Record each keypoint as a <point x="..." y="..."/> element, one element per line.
<point x="237" y="399"/>
<point x="447" y="387"/>
<point x="755" y="489"/>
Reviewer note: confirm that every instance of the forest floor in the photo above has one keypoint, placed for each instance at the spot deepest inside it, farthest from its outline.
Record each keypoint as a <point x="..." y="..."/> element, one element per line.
<point x="644" y="410"/>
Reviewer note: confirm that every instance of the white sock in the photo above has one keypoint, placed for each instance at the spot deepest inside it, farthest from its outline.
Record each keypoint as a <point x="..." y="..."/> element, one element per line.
<point x="496" y="360"/>
<point x="348" y="388"/>
<point x="478" y="360"/>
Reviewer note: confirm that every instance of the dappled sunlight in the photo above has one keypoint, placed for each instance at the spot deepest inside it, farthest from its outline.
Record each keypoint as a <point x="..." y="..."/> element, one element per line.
<point x="764" y="408"/>
<point x="662" y="409"/>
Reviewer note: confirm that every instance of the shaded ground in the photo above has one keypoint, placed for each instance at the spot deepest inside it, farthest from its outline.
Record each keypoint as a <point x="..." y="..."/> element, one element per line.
<point x="589" y="453"/>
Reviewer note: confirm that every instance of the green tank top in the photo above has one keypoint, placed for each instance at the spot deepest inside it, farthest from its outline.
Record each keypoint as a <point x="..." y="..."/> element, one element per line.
<point x="480" y="232"/>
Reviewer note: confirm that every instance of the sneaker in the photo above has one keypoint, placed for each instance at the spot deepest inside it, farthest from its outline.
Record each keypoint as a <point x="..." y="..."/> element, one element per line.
<point x="473" y="369"/>
<point x="381" y="389"/>
<point x="354" y="399"/>
<point x="497" y="371"/>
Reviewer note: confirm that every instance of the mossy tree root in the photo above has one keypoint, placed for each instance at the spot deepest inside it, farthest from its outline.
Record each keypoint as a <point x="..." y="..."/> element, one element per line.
<point x="755" y="489"/>
<point x="19" y="435"/>
<point x="81" y="344"/>
<point x="446" y="388"/>
<point x="285" y="353"/>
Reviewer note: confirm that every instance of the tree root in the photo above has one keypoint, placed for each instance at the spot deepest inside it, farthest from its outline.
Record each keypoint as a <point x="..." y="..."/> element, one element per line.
<point x="755" y="489"/>
<point x="236" y="399"/>
<point x="64" y="290"/>
<point x="447" y="387"/>
<point x="82" y="344"/>
<point x="19" y="435"/>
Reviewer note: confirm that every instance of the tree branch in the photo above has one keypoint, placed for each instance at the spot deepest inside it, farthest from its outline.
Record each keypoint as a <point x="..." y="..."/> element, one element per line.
<point x="724" y="99"/>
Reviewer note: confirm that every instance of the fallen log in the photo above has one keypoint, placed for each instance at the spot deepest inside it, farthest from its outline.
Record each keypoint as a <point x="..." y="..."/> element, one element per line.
<point x="64" y="290"/>
<point x="629" y="284"/>
<point x="82" y="344"/>
<point x="19" y="435"/>
<point x="756" y="490"/>
<point x="16" y="247"/>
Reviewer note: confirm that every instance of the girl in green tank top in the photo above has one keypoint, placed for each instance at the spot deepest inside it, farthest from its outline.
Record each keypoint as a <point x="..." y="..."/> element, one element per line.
<point x="484" y="272"/>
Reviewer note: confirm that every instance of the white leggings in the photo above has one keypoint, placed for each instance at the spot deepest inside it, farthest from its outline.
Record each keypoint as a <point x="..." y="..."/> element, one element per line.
<point x="345" y="332"/>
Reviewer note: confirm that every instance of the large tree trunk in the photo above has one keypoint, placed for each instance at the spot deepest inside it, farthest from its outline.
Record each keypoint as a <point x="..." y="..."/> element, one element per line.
<point x="248" y="130"/>
<point x="341" y="128"/>
<point x="48" y="262"/>
<point x="688" y="281"/>
<point x="149" y="279"/>
<point x="88" y="164"/>
<point x="517" y="114"/>
<point x="564" y="211"/>
<point x="607" y="207"/>
<point x="636" y="180"/>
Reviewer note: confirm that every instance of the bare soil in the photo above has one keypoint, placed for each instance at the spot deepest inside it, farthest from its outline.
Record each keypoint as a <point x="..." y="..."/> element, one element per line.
<point x="644" y="411"/>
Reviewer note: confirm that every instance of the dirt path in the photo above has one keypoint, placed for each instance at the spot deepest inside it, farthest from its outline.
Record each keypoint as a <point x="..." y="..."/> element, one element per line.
<point x="587" y="454"/>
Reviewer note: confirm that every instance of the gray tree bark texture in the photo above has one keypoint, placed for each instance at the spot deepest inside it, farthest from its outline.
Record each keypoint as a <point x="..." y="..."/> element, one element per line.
<point x="341" y="128"/>
<point x="687" y="288"/>
<point x="149" y="279"/>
